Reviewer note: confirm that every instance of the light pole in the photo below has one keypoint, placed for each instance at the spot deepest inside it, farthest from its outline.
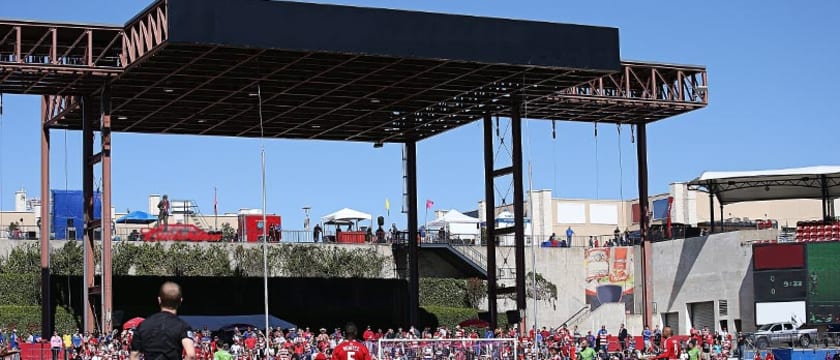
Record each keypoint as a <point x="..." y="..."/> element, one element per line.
<point x="306" y="217"/>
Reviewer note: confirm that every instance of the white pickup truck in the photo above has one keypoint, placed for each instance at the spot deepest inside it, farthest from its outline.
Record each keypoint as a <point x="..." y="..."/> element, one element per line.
<point x="783" y="333"/>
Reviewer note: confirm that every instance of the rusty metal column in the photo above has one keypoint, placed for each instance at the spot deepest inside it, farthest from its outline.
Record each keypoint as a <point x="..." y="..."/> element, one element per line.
<point x="46" y="314"/>
<point x="413" y="266"/>
<point x="641" y="155"/>
<point x="105" y="137"/>
<point x="518" y="207"/>
<point x="89" y="271"/>
<point x="490" y="219"/>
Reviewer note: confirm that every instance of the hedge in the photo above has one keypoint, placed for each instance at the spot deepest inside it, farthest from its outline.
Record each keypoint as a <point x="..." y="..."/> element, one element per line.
<point x="27" y="319"/>
<point x="451" y="316"/>
<point x="20" y="289"/>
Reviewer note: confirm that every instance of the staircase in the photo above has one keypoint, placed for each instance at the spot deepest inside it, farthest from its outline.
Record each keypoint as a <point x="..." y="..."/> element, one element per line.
<point x="578" y="316"/>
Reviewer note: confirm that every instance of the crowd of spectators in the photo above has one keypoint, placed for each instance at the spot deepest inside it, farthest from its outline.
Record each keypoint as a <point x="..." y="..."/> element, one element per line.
<point x="559" y="343"/>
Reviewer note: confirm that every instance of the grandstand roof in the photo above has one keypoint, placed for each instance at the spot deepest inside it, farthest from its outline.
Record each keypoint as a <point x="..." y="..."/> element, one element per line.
<point x="330" y="72"/>
<point x="815" y="182"/>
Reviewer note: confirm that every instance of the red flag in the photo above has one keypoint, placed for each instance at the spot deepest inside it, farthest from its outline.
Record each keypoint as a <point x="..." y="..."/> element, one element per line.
<point x="429" y="204"/>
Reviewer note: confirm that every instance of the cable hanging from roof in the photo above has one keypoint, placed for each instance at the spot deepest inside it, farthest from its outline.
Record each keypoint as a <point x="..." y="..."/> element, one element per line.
<point x="597" y="165"/>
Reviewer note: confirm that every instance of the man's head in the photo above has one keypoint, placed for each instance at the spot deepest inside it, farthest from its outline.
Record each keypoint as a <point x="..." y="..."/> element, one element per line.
<point x="667" y="332"/>
<point x="350" y="331"/>
<point x="169" y="296"/>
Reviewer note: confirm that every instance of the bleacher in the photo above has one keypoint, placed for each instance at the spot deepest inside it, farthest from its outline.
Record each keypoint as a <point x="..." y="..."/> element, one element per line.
<point x="817" y="230"/>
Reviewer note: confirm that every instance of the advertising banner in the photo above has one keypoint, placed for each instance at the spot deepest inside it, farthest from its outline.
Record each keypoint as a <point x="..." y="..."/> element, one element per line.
<point x="609" y="276"/>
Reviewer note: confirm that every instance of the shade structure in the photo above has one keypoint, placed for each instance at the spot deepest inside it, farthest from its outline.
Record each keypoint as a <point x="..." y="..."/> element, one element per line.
<point x="132" y="323"/>
<point x="345" y="216"/>
<point x="226" y="322"/>
<point x="815" y="182"/>
<point x="137" y="217"/>
<point x="453" y="217"/>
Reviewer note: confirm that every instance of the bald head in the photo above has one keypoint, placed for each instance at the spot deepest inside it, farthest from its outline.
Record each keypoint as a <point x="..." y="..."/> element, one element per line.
<point x="169" y="296"/>
<point x="667" y="332"/>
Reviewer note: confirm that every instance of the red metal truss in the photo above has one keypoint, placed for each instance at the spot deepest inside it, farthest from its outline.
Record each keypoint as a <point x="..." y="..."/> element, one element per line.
<point x="662" y="88"/>
<point x="145" y="32"/>
<point x="47" y="58"/>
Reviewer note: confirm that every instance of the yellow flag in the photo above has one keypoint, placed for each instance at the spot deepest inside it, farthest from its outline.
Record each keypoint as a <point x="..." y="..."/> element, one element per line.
<point x="387" y="204"/>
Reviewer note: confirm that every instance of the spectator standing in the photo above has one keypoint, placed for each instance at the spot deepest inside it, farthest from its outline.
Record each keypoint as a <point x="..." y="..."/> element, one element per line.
<point x="164" y="336"/>
<point x="622" y="337"/>
<point x="603" y="335"/>
<point x="163" y="212"/>
<point x="316" y="233"/>
<point x="646" y="337"/>
<point x="569" y="234"/>
<point x="55" y="345"/>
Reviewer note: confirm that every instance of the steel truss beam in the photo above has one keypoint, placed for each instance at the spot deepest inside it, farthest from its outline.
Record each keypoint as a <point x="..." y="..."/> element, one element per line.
<point x="145" y="32"/>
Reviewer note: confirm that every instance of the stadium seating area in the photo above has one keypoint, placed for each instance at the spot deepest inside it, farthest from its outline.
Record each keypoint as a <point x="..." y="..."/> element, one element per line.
<point x="808" y="231"/>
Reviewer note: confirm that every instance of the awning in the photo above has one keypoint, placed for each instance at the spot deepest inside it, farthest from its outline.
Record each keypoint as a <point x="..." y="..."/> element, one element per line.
<point x="345" y="216"/>
<point x="816" y="182"/>
<point x="225" y="322"/>
<point x="137" y="217"/>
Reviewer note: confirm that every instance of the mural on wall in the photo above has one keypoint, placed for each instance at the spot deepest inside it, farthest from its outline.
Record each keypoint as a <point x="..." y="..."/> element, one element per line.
<point x="609" y="276"/>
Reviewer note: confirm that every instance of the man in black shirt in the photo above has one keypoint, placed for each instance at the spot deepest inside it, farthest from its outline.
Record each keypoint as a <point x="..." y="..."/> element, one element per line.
<point x="164" y="336"/>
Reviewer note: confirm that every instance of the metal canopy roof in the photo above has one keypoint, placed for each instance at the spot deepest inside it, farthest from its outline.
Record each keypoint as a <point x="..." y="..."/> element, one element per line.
<point x="814" y="182"/>
<point x="337" y="72"/>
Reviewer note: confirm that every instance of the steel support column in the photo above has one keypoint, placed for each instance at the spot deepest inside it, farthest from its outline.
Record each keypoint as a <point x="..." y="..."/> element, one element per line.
<point x="105" y="138"/>
<point x="89" y="274"/>
<point x="825" y="199"/>
<point x="413" y="266"/>
<point x="518" y="207"/>
<point x="711" y="208"/>
<point x="46" y="315"/>
<point x="722" y="229"/>
<point x="641" y="155"/>
<point x="490" y="219"/>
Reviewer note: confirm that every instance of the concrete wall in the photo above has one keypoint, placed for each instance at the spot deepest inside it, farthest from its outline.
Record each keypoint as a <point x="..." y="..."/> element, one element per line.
<point x="712" y="268"/>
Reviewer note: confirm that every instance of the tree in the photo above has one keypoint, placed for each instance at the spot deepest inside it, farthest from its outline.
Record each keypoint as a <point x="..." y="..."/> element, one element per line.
<point x="228" y="233"/>
<point x="68" y="260"/>
<point x="476" y="290"/>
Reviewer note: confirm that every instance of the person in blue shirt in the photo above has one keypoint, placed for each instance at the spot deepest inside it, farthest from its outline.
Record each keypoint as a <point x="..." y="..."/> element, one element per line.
<point x="646" y="334"/>
<point x="76" y="340"/>
<point x="2" y="338"/>
<point x="13" y="340"/>
<point x="569" y="234"/>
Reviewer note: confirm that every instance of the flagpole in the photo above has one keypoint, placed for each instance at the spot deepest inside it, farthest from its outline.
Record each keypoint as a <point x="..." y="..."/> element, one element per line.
<point x="215" y="209"/>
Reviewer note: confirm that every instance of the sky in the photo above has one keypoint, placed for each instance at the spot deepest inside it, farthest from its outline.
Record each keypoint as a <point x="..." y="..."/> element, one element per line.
<point x="772" y="83"/>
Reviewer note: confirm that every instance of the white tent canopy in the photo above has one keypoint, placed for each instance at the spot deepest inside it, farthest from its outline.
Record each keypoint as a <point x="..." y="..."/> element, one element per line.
<point x="452" y="217"/>
<point x="345" y="216"/>
<point x="816" y="182"/>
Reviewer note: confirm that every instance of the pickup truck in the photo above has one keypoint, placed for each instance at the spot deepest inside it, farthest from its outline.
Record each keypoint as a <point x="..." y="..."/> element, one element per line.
<point x="786" y="333"/>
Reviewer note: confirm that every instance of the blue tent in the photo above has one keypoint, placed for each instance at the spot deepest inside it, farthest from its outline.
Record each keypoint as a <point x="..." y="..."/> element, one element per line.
<point x="226" y="322"/>
<point x="137" y="217"/>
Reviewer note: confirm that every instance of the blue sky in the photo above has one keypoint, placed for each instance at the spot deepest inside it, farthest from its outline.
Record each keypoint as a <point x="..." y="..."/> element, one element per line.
<point x="772" y="73"/>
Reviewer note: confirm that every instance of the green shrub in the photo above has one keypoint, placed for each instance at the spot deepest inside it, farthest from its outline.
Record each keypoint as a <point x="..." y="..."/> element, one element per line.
<point x="449" y="316"/>
<point x="27" y="319"/>
<point x="20" y="289"/>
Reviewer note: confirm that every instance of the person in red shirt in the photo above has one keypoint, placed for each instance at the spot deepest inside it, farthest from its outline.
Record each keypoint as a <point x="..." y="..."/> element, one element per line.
<point x="757" y="356"/>
<point x="769" y="356"/>
<point x="672" y="345"/>
<point x="351" y="349"/>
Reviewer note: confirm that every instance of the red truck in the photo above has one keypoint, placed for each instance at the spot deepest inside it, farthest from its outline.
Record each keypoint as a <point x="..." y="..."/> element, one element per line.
<point x="251" y="227"/>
